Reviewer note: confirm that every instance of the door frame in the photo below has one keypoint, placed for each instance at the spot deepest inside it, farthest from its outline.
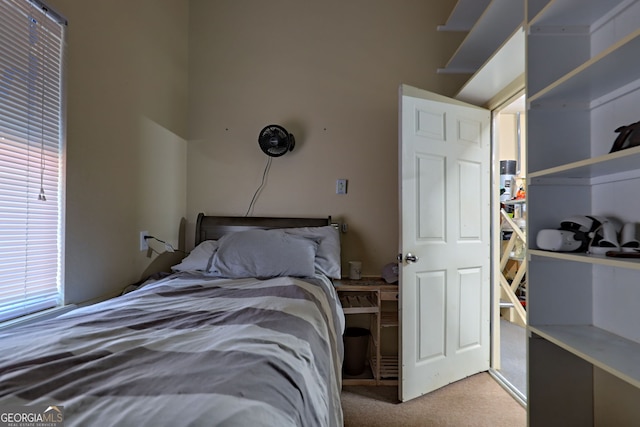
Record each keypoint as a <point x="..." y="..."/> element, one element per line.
<point x="495" y="359"/>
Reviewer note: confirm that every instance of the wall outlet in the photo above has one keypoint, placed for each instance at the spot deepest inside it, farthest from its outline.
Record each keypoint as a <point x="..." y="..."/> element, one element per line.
<point x="341" y="186"/>
<point x="143" y="242"/>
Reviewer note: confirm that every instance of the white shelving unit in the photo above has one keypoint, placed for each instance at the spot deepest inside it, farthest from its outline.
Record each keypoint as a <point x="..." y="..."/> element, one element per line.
<point x="583" y="81"/>
<point x="501" y="69"/>
<point x="464" y="15"/>
<point x="492" y="51"/>
<point x="493" y="22"/>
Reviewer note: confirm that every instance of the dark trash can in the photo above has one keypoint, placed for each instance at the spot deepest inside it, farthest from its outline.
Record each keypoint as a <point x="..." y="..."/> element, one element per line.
<point x="356" y="344"/>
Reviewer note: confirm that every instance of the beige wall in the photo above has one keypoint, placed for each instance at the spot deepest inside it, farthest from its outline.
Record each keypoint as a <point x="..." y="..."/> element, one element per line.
<point x="327" y="71"/>
<point x="126" y="136"/>
<point x="146" y="76"/>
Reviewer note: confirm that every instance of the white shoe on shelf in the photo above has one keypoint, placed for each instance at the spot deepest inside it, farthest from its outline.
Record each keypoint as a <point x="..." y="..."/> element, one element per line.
<point x="628" y="238"/>
<point x="605" y="239"/>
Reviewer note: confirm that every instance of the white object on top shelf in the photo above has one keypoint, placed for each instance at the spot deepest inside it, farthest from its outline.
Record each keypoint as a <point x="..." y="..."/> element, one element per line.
<point x="498" y="22"/>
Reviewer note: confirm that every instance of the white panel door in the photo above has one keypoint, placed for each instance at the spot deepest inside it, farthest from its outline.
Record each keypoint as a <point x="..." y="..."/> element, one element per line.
<point x="445" y="225"/>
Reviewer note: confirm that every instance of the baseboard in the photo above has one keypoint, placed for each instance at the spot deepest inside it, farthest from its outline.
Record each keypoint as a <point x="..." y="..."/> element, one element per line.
<point x="36" y="317"/>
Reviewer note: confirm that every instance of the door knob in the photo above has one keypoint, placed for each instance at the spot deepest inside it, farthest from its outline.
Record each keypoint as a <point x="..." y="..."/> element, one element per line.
<point x="410" y="257"/>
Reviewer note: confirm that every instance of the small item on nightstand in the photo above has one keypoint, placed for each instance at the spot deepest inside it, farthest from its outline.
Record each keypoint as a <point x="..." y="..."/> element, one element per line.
<point x="355" y="270"/>
<point x="390" y="272"/>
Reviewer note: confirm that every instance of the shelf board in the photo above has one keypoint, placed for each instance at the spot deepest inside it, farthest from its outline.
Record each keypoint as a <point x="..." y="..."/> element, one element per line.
<point x="498" y="21"/>
<point x="607" y="351"/>
<point x="500" y="70"/>
<point x="599" y="76"/>
<point x="359" y="381"/>
<point x="589" y="259"/>
<point x="364" y="284"/>
<point x="366" y="378"/>
<point x="574" y="12"/>
<point x="621" y="161"/>
<point x="357" y="304"/>
<point x="464" y="15"/>
<point x="388" y="367"/>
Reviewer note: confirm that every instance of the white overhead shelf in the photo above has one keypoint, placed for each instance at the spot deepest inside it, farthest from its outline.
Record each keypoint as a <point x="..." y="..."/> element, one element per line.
<point x="574" y="12"/>
<point x="464" y="15"/>
<point x="492" y="28"/>
<point x="502" y="68"/>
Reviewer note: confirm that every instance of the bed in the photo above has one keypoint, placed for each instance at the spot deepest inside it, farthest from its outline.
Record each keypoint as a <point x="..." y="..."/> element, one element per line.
<point x="241" y="334"/>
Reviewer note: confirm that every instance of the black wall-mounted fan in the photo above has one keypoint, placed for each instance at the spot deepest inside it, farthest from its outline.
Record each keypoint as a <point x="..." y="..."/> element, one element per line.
<point x="275" y="141"/>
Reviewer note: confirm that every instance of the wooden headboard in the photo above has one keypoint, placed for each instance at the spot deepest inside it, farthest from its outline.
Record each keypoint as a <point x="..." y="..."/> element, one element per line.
<point x="214" y="227"/>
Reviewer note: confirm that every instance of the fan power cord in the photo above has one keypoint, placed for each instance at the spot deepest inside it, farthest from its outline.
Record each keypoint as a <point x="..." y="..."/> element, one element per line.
<point x="259" y="190"/>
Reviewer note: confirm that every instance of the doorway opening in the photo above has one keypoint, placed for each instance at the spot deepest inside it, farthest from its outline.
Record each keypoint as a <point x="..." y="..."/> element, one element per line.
<point x="509" y="215"/>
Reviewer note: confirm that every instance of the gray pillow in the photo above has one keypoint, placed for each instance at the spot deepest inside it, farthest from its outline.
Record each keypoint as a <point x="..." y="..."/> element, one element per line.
<point x="328" y="255"/>
<point x="264" y="253"/>
<point x="200" y="257"/>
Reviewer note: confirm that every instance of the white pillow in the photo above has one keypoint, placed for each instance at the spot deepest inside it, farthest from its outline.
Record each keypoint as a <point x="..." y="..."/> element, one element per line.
<point x="327" y="259"/>
<point x="264" y="253"/>
<point x="200" y="257"/>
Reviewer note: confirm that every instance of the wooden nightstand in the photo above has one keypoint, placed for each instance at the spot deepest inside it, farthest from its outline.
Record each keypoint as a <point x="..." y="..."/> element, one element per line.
<point x="367" y="296"/>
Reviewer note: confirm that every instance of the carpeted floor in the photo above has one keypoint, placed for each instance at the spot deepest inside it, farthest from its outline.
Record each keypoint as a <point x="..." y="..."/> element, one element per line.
<point x="476" y="401"/>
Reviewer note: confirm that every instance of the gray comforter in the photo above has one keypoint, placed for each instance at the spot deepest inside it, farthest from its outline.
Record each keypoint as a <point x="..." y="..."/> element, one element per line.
<point x="186" y="351"/>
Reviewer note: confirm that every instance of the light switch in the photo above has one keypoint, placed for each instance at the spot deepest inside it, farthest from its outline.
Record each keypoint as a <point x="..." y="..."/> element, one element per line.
<point x="341" y="186"/>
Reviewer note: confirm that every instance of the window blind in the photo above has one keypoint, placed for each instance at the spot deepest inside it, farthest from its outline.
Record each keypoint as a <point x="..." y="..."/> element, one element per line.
<point x="31" y="168"/>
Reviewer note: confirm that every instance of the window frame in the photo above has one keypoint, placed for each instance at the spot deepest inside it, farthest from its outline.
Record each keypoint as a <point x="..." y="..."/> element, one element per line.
<point x="32" y="136"/>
